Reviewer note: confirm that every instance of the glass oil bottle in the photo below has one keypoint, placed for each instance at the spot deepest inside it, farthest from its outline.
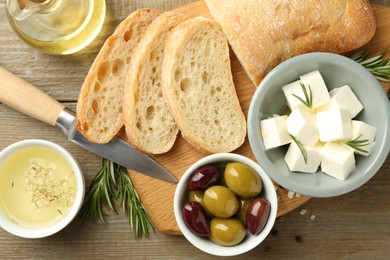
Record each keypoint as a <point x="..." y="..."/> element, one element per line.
<point x="56" y="26"/>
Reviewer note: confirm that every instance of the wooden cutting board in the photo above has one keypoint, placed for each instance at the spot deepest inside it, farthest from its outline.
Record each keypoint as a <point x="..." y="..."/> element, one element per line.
<point x="157" y="196"/>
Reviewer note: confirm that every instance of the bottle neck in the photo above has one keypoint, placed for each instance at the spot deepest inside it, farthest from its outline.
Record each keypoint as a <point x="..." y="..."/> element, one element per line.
<point x="30" y="7"/>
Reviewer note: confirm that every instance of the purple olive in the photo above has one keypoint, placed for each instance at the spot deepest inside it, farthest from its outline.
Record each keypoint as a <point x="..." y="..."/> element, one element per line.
<point x="257" y="215"/>
<point x="196" y="219"/>
<point x="204" y="177"/>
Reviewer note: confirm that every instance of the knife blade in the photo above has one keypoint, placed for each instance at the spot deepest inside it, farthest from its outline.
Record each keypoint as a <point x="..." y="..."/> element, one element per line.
<point x="116" y="150"/>
<point x="24" y="97"/>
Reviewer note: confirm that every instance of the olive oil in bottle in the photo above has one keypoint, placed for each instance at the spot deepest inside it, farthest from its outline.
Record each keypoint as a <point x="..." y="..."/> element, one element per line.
<point x="56" y="26"/>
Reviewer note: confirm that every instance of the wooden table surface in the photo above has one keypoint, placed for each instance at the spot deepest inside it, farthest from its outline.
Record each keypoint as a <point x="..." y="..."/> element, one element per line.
<point x="351" y="226"/>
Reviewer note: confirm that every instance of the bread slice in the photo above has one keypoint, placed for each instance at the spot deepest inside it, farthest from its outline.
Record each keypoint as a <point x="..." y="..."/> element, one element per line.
<point x="99" y="107"/>
<point x="199" y="89"/>
<point x="263" y="33"/>
<point x="150" y="127"/>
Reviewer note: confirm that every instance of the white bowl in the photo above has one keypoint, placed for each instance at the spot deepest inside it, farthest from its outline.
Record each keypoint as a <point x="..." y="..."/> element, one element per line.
<point x="27" y="232"/>
<point x="206" y="245"/>
<point x="336" y="70"/>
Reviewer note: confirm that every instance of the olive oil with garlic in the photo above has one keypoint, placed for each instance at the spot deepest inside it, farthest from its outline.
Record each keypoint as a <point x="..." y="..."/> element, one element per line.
<point x="37" y="187"/>
<point x="60" y="26"/>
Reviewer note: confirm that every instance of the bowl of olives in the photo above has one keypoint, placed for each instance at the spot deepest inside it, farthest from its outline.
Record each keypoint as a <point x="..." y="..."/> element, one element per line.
<point x="225" y="204"/>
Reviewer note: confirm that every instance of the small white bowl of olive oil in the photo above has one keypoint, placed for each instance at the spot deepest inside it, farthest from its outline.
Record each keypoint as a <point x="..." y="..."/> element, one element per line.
<point x="41" y="188"/>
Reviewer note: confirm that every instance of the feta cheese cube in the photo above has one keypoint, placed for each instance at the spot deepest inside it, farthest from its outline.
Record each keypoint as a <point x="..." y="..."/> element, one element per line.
<point x="345" y="98"/>
<point x="302" y="125"/>
<point x="274" y="132"/>
<point x="337" y="160"/>
<point x="296" y="162"/>
<point x="334" y="124"/>
<point x="363" y="131"/>
<point x="320" y="94"/>
<point x="290" y="90"/>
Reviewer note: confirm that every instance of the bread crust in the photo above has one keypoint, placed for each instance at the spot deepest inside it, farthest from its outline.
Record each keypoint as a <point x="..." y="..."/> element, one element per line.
<point x="99" y="107"/>
<point x="150" y="127"/>
<point x="263" y="33"/>
<point x="179" y="37"/>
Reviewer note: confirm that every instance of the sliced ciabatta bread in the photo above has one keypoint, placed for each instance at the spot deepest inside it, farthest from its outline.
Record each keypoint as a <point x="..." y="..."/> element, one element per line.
<point x="99" y="107"/>
<point x="149" y="126"/>
<point x="199" y="89"/>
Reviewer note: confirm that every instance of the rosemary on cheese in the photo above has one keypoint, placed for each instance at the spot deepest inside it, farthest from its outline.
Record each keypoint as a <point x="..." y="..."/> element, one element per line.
<point x="301" y="148"/>
<point x="358" y="143"/>
<point x="308" y="101"/>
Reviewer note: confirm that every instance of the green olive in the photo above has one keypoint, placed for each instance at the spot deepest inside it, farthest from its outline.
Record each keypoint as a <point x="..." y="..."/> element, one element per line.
<point x="226" y="231"/>
<point x="220" y="201"/>
<point x="197" y="196"/>
<point x="242" y="180"/>
<point x="244" y="205"/>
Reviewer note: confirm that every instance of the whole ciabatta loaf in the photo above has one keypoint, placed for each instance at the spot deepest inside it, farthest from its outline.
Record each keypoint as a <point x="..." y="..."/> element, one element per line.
<point x="198" y="87"/>
<point x="264" y="33"/>
<point x="99" y="107"/>
<point x="149" y="125"/>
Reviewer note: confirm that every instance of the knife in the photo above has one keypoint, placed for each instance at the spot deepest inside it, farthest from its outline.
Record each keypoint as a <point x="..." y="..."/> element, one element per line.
<point x="24" y="97"/>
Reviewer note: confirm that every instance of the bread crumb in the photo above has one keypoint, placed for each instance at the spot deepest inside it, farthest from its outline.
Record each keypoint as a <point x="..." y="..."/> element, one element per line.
<point x="290" y="194"/>
<point x="303" y="212"/>
<point x="312" y="217"/>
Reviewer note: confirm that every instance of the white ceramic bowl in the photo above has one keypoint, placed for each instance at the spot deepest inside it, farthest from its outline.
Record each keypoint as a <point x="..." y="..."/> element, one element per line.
<point x="336" y="70"/>
<point x="206" y="245"/>
<point x="25" y="232"/>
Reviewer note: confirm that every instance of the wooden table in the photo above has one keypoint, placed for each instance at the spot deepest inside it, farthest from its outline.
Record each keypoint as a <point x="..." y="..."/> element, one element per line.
<point x="355" y="225"/>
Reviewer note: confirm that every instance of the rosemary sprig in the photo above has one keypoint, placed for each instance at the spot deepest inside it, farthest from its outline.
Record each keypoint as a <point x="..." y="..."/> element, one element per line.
<point x="301" y="148"/>
<point x="378" y="65"/>
<point x="112" y="182"/>
<point x="357" y="144"/>
<point x="308" y="97"/>
<point x="139" y="220"/>
<point x="101" y="193"/>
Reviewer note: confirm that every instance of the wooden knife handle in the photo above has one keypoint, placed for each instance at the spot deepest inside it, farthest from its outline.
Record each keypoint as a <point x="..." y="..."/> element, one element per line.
<point x="24" y="97"/>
